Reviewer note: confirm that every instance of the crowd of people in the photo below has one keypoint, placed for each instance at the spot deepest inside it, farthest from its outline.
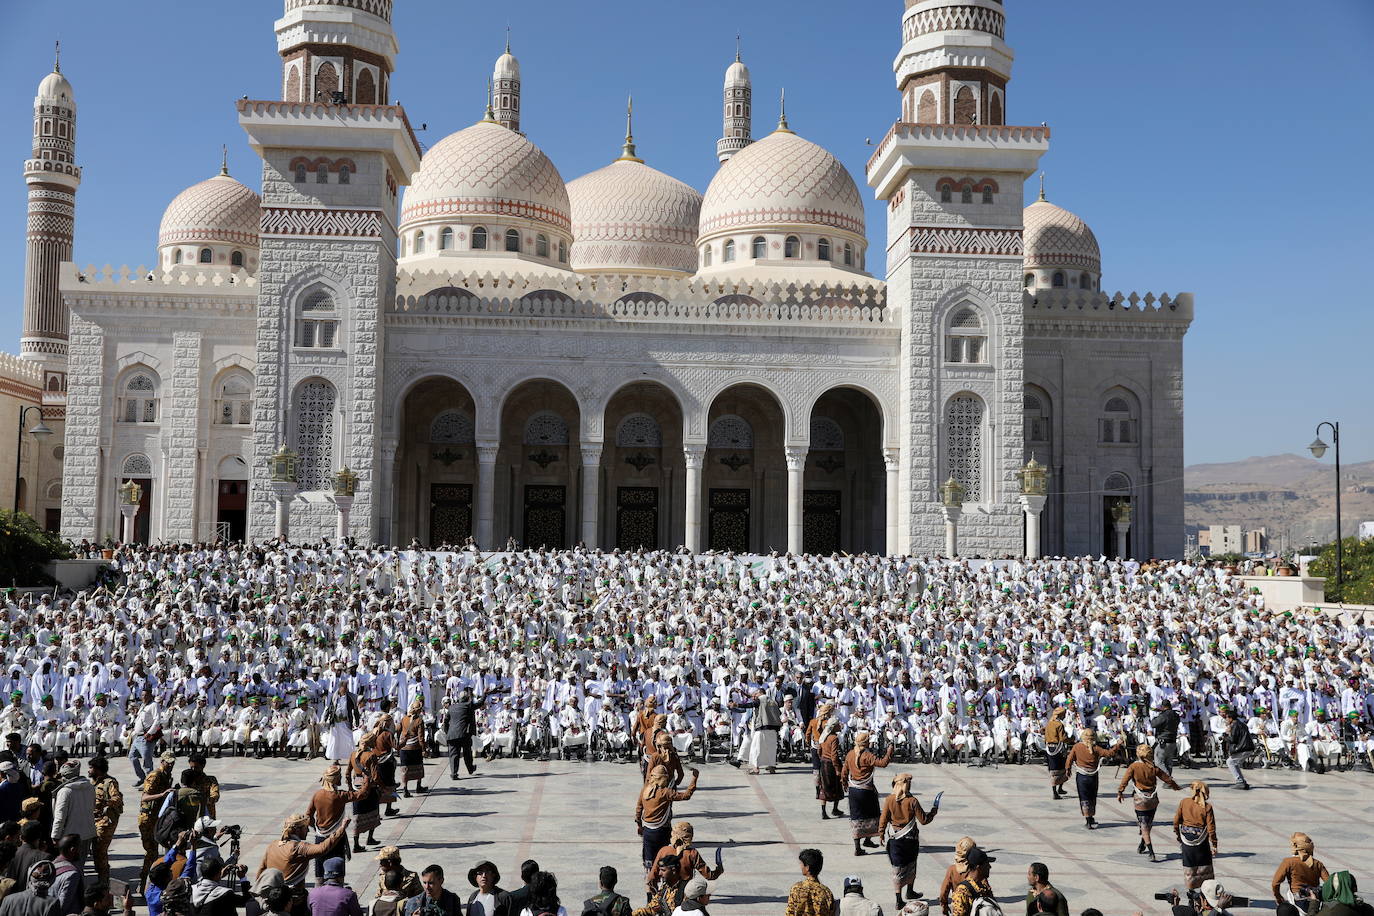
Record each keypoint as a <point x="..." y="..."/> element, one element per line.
<point x="374" y="658"/>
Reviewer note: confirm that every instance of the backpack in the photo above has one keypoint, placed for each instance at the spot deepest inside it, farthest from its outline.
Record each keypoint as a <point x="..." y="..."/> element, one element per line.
<point x="981" y="906"/>
<point x="179" y="812"/>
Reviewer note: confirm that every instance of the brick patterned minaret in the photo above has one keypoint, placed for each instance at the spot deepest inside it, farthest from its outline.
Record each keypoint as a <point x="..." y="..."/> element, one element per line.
<point x="954" y="64"/>
<point x="337" y="46"/>
<point x="52" y="176"/>
<point x="505" y="90"/>
<point x="739" y="111"/>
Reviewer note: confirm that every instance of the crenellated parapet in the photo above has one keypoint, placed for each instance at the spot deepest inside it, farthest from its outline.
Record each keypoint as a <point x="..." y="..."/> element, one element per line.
<point x="1076" y="312"/>
<point x="24" y="371"/>
<point x="127" y="279"/>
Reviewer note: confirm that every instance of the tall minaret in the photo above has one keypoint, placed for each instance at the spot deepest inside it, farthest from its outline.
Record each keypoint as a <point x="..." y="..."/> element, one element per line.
<point x="52" y="176"/>
<point x="337" y="51"/>
<point x="955" y="62"/>
<point x="739" y="110"/>
<point x="505" y="89"/>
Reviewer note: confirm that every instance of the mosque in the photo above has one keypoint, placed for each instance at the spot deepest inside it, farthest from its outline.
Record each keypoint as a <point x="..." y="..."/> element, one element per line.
<point x="620" y="360"/>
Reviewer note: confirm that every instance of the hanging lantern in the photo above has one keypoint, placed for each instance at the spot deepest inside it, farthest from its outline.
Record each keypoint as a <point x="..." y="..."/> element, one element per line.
<point x="345" y="482"/>
<point x="1034" y="478"/>
<point x="951" y="494"/>
<point x="282" y="465"/>
<point x="130" y="493"/>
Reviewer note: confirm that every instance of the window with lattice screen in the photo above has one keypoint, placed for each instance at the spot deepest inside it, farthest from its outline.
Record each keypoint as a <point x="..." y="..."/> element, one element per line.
<point x="964" y="444"/>
<point x="966" y="339"/>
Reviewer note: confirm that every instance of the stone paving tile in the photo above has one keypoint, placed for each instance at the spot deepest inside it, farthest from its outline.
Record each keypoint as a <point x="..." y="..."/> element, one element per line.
<point x="574" y="817"/>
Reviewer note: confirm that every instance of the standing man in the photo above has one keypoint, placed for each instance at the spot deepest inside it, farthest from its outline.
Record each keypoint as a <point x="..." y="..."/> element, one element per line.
<point x="1165" y="723"/>
<point x="207" y="785"/>
<point x="435" y="898"/>
<point x="1239" y="745"/>
<point x="109" y="805"/>
<point x="156" y="786"/>
<point x="146" y="731"/>
<point x="460" y="728"/>
<point x="764" y="722"/>
<point x="1043" y="897"/>
<point x="809" y="897"/>
<point x="341" y="716"/>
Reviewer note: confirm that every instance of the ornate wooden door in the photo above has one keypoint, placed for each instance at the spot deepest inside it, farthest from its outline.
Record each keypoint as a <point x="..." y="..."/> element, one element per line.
<point x="450" y="513"/>
<point x="821" y="521"/>
<point x="636" y="518"/>
<point x="728" y="522"/>
<point x="545" y="516"/>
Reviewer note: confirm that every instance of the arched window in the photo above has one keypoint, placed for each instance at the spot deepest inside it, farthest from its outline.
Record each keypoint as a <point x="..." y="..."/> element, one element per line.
<point x="546" y="428"/>
<point x="452" y="427"/>
<point x="966" y="340"/>
<point x="512" y="240"/>
<point x="823" y="249"/>
<point x="1117" y="483"/>
<point x="705" y="255"/>
<point x="326" y="82"/>
<point x="638" y="430"/>
<point x="1036" y="413"/>
<point x="446" y="239"/>
<point x="139" y="397"/>
<point x="366" y="92"/>
<point x="946" y="194"/>
<point x="317" y="326"/>
<point x="562" y="252"/>
<point x="966" y="194"/>
<point x="541" y="245"/>
<point x="927" y="109"/>
<point x="1085" y="281"/>
<point x="321" y="175"/>
<point x="206" y="256"/>
<point x="965" y="106"/>
<point x="1030" y="281"/>
<point x="344" y="173"/>
<point x="848" y="255"/>
<point x="987" y="194"/>
<point x="479" y="238"/>
<point x="1058" y="280"/>
<point x="236" y="259"/>
<point x="760" y="247"/>
<point x="137" y="466"/>
<point x="731" y="432"/>
<point x="234" y="400"/>
<point x="729" y="250"/>
<point x="791" y="247"/>
<point x="314" y="409"/>
<point x="964" y="444"/>
<point x="300" y="174"/>
<point x="419" y="246"/>
<point x="826" y="435"/>
<point x="1119" y="423"/>
<point x="176" y="256"/>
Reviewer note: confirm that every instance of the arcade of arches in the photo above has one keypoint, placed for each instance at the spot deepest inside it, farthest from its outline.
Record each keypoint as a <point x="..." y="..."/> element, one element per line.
<point x="531" y="479"/>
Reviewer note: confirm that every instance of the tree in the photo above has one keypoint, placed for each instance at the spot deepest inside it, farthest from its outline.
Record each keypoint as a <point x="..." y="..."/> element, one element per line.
<point x="1357" y="571"/>
<point x="24" y="548"/>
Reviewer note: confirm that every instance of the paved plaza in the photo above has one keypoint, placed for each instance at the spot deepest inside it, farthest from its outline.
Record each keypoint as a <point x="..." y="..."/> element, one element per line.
<point x="573" y="817"/>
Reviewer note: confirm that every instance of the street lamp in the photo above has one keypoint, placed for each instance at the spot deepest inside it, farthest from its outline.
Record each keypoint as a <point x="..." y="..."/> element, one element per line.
<point x="1318" y="449"/>
<point x="1121" y="520"/>
<point x="282" y="470"/>
<point x="40" y="432"/>
<point x="130" y="498"/>
<point x="345" y="487"/>
<point x="952" y="504"/>
<point x="1034" y="481"/>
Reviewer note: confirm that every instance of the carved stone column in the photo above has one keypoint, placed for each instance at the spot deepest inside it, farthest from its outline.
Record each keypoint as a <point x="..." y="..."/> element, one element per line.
<point x="796" y="468"/>
<point x="694" y="456"/>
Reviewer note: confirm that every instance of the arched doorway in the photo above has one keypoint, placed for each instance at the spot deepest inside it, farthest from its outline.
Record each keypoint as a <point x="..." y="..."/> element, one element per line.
<point x="643" y="499"/>
<point x="231" y="500"/>
<point x="538" y="466"/>
<point x="139" y="469"/>
<point x="844" y="501"/>
<point x="436" y="464"/>
<point x="745" y="474"/>
<point x="1117" y="503"/>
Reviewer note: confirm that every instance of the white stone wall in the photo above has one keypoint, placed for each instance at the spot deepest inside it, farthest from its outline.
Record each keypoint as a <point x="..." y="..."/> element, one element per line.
<point x="82" y="471"/>
<point x="182" y="409"/>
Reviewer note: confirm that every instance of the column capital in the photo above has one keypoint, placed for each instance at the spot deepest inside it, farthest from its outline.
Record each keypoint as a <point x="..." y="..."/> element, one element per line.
<point x="952" y="513"/>
<point x="892" y="458"/>
<point x="1032" y="505"/>
<point x="694" y="456"/>
<point x="796" y="456"/>
<point x="591" y="455"/>
<point x="486" y="452"/>
<point x="343" y="503"/>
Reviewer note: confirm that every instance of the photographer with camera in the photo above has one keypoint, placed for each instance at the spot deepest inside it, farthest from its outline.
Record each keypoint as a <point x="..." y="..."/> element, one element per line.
<point x="221" y="889"/>
<point x="1211" y="899"/>
<point x="1302" y="873"/>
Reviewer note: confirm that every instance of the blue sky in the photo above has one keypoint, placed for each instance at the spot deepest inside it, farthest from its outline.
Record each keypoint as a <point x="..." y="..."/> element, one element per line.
<point x="1220" y="148"/>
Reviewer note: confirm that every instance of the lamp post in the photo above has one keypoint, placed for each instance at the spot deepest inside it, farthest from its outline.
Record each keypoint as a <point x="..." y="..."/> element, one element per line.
<point x="1318" y="449"/>
<point x="282" y="468"/>
<point x="345" y="487"/>
<point x="130" y="498"/>
<point x="952" y="504"/>
<point x="1034" y="480"/>
<point x="40" y="432"/>
<point x="1121" y="521"/>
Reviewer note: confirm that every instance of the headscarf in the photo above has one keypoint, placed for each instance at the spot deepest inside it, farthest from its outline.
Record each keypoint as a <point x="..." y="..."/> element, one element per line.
<point x="292" y="825"/>
<point x="961" y="851"/>
<point x="1145" y="753"/>
<point x="332" y="775"/>
<point x="901" y="786"/>
<point x="1303" y="847"/>
<point x="1340" y="887"/>
<point x="1200" y="792"/>
<point x="657" y="781"/>
<point x="1088" y="736"/>
<point x="682" y="834"/>
<point x="861" y="740"/>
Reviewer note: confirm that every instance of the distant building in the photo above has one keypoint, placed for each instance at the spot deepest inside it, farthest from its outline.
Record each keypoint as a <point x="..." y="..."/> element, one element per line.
<point x="1256" y="541"/>
<point x="1215" y="540"/>
<point x="1366" y="531"/>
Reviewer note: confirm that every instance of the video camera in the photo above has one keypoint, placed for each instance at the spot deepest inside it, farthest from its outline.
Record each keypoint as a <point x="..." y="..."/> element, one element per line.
<point x="1188" y="903"/>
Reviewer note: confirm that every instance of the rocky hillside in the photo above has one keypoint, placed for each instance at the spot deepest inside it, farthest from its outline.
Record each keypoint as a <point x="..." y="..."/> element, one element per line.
<point x="1282" y="493"/>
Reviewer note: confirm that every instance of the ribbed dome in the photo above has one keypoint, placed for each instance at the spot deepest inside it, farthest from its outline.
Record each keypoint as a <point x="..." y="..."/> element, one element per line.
<point x="55" y="86"/>
<point x="487" y="169"/>
<point x="1054" y="237"/>
<point x="782" y="181"/>
<point x="737" y="74"/>
<point x="628" y="216"/>
<point x="218" y="209"/>
<point x="507" y="67"/>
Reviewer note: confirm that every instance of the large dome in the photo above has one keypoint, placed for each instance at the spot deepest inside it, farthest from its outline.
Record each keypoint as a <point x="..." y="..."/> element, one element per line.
<point x="219" y="209"/>
<point x="630" y="217"/>
<point x="781" y="180"/>
<point x="487" y="170"/>
<point x="1054" y="237"/>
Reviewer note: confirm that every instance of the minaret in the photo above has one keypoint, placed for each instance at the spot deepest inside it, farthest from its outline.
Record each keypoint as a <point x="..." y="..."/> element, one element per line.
<point x="505" y="89"/>
<point x="954" y="64"/>
<point x="739" y="110"/>
<point x="52" y="176"/>
<point x="337" y="51"/>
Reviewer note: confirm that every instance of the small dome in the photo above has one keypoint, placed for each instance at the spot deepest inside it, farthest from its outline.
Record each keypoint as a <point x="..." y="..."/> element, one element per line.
<point x="630" y="217"/>
<point x="737" y="74"/>
<point x="507" y="67"/>
<point x="219" y="209"/>
<point x="782" y="181"/>
<point x="487" y="170"/>
<point x="55" y="87"/>
<point x="1054" y="237"/>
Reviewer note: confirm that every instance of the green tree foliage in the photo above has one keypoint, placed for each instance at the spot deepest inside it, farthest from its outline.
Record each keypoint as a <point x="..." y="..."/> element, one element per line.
<point x="1357" y="566"/>
<point x="24" y="548"/>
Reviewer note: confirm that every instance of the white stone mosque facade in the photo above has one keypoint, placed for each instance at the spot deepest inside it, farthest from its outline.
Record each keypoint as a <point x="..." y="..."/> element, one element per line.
<point x="619" y="359"/>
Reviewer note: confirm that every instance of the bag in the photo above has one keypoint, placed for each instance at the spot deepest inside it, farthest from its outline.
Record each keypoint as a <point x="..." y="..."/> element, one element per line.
<point x="981" y="906"/>
<point x="168" y="827"/>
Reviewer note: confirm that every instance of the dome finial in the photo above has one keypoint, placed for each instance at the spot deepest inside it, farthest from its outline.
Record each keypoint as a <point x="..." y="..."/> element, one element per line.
<point x="507" y="39"/>
<point x="627" y="153"/>
<point x="224" y="160"/>
<point x="1042" y="185"/>
<point x="738" y="58"/>
<point x="490" y="116"/>
<point x="57" y="57"/>
<point x="782" y="114"/>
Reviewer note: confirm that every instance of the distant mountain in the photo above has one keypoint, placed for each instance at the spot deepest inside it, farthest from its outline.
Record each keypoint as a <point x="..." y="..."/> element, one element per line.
<point x="1293" y="497"/>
